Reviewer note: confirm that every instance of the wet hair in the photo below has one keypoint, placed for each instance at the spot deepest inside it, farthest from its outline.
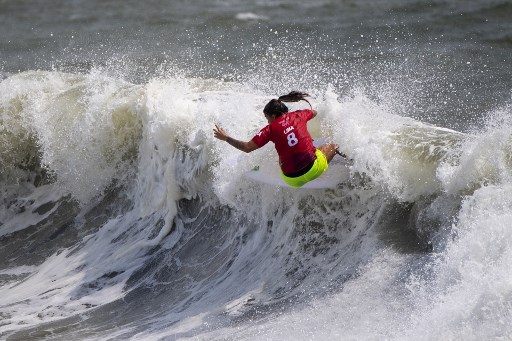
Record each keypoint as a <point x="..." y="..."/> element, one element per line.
<point x="276" y="107"/>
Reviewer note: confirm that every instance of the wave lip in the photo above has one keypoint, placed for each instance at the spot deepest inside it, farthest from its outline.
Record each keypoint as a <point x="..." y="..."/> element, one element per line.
<point x="83" y="130"/>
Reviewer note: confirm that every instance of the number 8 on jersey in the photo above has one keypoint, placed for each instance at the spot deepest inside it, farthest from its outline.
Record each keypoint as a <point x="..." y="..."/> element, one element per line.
<point x="292" y="140"/>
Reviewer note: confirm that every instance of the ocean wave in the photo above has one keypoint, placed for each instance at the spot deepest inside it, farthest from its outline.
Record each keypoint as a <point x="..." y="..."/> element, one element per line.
<point x="146" y="211"/>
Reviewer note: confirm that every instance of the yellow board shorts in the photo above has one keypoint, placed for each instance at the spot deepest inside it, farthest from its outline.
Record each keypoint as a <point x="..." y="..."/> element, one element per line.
<point x="319" y="166"/>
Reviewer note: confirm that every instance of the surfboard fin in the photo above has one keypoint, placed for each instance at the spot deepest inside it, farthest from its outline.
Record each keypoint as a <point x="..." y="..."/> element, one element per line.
<point x="337" y="151"/>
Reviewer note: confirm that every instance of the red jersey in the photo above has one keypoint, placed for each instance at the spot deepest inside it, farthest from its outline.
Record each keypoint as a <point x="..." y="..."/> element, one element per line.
<point x="293" y="143"/>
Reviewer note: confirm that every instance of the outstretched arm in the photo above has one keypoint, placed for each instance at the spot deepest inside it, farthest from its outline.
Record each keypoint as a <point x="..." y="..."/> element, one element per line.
<point x="221" y="134"/>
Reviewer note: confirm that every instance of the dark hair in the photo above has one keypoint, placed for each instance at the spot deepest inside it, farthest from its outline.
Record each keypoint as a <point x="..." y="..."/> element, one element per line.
<point x="276" y="107"/>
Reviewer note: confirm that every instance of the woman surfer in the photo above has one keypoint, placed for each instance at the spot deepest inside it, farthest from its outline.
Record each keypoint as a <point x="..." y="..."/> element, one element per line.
<point x="299" y="160"/>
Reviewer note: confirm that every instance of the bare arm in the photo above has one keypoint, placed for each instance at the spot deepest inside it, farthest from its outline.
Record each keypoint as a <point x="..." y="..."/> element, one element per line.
<point x="241" y="145"/>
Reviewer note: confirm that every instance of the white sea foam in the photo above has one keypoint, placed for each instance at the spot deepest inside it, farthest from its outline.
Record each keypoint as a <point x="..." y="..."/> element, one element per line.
<point x="242" y="246"/>
<point x="247" y="16"/>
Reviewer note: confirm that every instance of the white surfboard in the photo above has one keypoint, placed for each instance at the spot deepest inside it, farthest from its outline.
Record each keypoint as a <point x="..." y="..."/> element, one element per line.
<point x="337" y="172"/>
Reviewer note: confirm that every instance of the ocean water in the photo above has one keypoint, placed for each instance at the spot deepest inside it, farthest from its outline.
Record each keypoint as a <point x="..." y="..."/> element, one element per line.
<point x="123" y="218"/>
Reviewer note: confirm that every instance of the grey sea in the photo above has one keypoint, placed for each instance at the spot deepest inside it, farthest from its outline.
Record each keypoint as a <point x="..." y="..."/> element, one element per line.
<point x="123" y="218"/>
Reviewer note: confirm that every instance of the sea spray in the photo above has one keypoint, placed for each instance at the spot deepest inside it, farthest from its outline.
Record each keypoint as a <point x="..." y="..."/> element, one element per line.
<point x="171" y="224"/>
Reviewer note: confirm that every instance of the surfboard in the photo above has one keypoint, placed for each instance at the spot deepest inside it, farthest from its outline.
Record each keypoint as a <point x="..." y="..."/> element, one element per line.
<point x="270" y="174"/>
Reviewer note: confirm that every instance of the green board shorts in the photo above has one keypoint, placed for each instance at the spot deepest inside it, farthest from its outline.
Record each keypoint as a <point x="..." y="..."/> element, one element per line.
<point x="319" y="166"/>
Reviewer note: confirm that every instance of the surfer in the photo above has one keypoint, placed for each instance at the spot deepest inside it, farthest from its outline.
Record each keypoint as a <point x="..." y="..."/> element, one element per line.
<point x="299" y="160"/>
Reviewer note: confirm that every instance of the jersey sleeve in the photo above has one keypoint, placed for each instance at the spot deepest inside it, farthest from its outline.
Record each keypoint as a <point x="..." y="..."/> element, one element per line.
<point x="263" y="137"/>
<point x="305" y="114"/>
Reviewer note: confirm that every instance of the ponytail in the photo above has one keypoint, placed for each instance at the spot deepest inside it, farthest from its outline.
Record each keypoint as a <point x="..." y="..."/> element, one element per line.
<point x="295" y="96"/>
<point x="276" y="107"/>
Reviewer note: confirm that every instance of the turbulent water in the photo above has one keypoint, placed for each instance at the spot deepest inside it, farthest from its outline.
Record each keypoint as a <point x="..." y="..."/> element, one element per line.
<point x="122" y="217"/>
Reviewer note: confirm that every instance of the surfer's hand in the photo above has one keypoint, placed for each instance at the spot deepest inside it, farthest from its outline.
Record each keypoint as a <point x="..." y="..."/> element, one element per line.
<point x="220" y="133"/>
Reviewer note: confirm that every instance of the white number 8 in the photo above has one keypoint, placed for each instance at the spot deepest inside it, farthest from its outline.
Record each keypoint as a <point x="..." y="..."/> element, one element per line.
<point x="292" y="140"/>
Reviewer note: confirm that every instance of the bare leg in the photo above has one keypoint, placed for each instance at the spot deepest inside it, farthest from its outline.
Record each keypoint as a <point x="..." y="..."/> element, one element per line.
<point x="329" y="150"/>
